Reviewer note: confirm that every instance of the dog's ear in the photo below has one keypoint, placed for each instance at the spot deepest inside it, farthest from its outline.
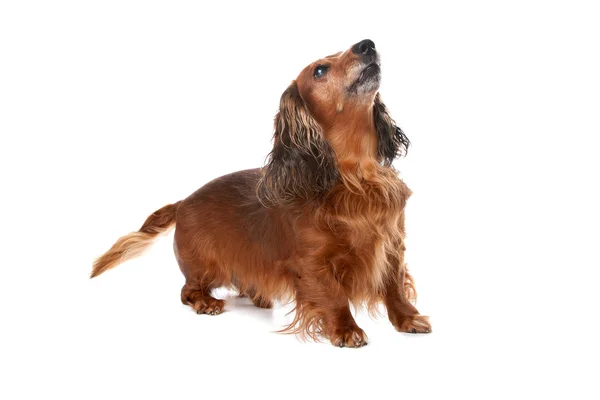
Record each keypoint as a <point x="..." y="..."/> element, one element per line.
<point x="393" y="142"/>
<point x="301" y="165"/>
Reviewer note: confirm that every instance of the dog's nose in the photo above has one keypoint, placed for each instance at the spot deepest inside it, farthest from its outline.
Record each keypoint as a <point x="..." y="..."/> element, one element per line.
<point x="366" y="47"/>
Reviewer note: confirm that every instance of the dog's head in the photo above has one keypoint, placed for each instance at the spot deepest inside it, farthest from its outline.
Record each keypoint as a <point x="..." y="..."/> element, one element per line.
<point x="331" y="114"/>
<point x="342" y="81"/>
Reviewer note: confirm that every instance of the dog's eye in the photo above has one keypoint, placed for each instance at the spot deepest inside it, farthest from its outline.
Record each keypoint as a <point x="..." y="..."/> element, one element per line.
<point x="320" y="71"/>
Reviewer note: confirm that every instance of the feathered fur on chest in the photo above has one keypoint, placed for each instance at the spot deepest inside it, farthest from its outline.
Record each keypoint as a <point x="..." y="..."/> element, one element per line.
<point x="368" y="225"/>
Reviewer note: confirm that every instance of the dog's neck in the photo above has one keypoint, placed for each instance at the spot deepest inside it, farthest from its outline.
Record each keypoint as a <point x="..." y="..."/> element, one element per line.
<point x="353" y="138"/>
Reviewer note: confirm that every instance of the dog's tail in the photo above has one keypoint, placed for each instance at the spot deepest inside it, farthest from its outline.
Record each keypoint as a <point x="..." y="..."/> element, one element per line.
<point x="134" y="244"/>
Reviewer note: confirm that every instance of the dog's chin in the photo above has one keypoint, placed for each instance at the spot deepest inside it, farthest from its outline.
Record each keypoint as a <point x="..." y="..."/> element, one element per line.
<point x="368" y="80"/>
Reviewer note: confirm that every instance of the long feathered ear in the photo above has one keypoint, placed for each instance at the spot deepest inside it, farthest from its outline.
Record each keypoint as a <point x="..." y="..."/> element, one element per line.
<point x="301" y="165"/>
<point x="393" y="142"/>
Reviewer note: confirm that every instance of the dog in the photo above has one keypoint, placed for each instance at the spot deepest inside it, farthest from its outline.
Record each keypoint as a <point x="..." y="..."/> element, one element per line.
<point x="322" y="223"/>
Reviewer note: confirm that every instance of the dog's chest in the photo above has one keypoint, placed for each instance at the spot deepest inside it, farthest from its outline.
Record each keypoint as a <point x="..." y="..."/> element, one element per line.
<point x="373" y="243"/>
<point x="371" y="234"/>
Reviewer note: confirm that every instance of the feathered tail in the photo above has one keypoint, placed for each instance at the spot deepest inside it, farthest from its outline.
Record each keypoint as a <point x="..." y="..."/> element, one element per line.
<point x="134" y="244"/>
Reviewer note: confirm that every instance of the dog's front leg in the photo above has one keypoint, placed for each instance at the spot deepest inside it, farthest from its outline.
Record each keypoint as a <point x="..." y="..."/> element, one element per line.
<point x="322" y="307"/>
<point x="398" y="292"/>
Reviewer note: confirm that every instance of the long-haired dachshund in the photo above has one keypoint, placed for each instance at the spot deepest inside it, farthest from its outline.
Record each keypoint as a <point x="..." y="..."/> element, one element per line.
<point x="321" y="223"/>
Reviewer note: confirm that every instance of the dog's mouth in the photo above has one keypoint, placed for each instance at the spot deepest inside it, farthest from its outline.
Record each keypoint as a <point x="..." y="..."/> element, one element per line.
<point x="370" y="71"/>
<point x="368" y="79"/>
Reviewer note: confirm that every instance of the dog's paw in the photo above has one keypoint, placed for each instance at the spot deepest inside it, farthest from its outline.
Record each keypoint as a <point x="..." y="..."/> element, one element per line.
<point x="210" y="306"/>
<point x="414" y="324"/>
<point x="349" y="337"/>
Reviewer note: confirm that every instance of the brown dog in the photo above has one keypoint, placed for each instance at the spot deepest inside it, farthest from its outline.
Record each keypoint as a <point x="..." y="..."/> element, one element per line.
<point x="322" y="223"/>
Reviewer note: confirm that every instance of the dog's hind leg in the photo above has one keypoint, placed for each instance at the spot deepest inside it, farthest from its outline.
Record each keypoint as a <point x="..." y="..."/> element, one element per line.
<point x="199" y="297"/>
<point x="201" y="279"/>
<point x="202" y="274"/>
<point x="258" y="300"/>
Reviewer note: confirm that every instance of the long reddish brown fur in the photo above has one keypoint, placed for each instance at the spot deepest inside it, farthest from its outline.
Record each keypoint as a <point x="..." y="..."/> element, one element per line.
<point x="322" y="223"/>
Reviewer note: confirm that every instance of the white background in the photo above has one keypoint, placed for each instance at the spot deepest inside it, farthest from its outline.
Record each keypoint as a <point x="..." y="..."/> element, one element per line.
<point x="110" y="110"/>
